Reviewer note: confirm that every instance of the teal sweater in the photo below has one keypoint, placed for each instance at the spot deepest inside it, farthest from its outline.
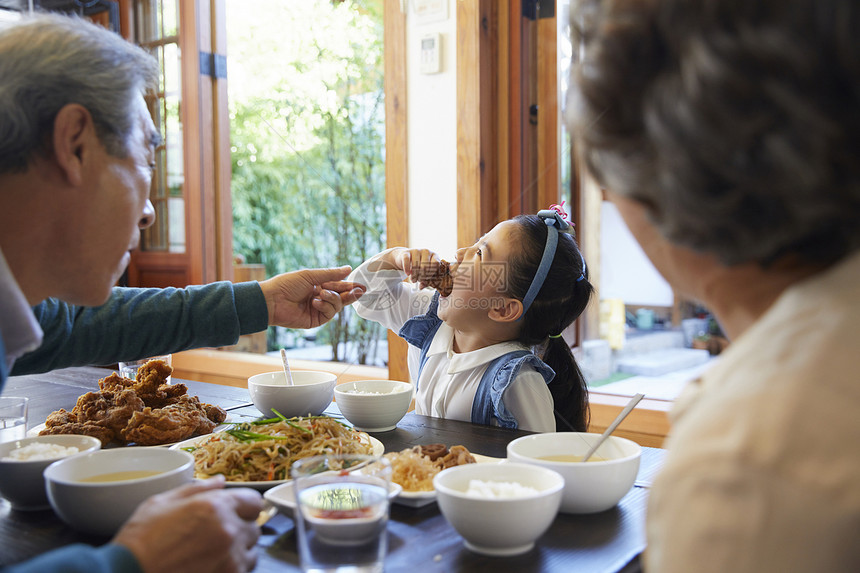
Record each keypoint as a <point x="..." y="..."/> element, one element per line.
<point x="133" y="323"/>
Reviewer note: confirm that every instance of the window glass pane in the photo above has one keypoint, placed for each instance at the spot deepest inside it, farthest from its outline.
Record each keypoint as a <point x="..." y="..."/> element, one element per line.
<point x="307" y="119"/>
<point x="646" y="341"/>
<point x="156" y="30"/>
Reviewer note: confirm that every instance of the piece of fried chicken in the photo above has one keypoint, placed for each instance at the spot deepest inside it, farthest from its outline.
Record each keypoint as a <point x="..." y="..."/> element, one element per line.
<point x="180" y="420"/>
<point x="99" y="414"/>
<point x="150" y="384"/>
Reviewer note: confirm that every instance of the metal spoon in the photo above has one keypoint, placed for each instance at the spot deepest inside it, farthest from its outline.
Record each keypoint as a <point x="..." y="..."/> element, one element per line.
<point x="287" y="372"/>
<point x="627" y="409"/>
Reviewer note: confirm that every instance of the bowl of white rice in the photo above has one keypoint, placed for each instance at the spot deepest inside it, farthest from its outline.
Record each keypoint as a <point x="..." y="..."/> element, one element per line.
<point x="373" y="405"/>
<point x="23" y="461"/>
<point x="499" y="509"/>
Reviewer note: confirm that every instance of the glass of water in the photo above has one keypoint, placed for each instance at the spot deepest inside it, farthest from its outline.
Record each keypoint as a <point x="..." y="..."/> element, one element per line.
<point x="13" y="418"/>
<point x="342" y="512"/>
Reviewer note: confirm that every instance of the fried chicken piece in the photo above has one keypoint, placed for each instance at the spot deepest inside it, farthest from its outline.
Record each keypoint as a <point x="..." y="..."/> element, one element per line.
<point x="106" y="435"/>
<point x="165" y="395"/>
<point x="150" y="377"/>
<point x="114" y="382"/>
<point x="457" y="456"/>
<point x="150" y="384"/>
<point x="100" y="414"/>
<point x="442" y="281"/>
<point x="173" y="423"/>
<point x="215" y="413"/>
<point x="61" y="417"/>
<point x="109" y="409"/>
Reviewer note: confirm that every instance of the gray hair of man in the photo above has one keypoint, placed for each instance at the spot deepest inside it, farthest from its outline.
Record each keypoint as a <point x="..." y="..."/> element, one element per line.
<point x="48" y="61"/>
<point x="736" y="124"/>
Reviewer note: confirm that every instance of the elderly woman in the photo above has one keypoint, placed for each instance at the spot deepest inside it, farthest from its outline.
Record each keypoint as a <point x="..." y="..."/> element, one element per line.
<point x="727" y="133"/>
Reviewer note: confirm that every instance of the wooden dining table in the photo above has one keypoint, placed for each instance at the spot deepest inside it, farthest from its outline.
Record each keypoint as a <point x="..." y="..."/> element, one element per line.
<point x="421" y="538"/>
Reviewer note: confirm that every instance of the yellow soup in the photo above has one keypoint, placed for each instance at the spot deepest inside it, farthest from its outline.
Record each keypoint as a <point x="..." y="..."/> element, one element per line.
<point x="120" y="476"/>
<point x="570" y="458"/>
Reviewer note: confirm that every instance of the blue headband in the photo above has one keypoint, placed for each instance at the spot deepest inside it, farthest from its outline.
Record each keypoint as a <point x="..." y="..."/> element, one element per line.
<point x="554" y="223"/>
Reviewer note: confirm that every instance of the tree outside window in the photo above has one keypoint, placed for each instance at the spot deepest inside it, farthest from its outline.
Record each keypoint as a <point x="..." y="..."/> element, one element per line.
<point x="308" y="147"/>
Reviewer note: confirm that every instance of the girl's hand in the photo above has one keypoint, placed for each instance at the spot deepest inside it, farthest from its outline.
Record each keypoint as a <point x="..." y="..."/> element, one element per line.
<point x="420" y="265"/>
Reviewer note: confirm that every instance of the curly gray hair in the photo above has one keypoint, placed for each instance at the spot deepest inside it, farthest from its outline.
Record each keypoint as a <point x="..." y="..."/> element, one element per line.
<point x="735" y="123"/>
<point x="48" y="61"/>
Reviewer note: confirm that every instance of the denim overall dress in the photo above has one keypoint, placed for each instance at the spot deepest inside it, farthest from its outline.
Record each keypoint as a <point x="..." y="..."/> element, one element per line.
<point x="487" y="405"/>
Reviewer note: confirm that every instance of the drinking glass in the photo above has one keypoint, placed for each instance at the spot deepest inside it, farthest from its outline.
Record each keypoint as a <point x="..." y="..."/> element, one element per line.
<point x="129" y="369"/>
<point x="342" y="512"/>
<point x="13" y="418"/>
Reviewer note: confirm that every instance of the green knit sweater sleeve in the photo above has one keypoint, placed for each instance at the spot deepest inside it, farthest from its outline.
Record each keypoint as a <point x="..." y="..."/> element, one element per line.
<point x="136" y="323"/>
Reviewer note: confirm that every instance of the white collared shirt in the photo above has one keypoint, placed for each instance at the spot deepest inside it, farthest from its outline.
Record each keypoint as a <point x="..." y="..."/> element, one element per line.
<point x="449" y="380"/>
<point x="18" y="326"/>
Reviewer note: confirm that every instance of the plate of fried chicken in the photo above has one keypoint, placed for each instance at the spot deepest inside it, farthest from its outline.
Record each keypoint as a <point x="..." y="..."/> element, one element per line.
<point x="145" y="411"/>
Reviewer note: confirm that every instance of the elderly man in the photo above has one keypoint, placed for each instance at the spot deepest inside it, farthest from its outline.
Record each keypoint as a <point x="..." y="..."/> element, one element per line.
<point x="76" y="158"/>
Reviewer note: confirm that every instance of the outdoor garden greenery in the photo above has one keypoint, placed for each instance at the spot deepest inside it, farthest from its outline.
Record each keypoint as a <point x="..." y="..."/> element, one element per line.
<point x="308" y="150"/>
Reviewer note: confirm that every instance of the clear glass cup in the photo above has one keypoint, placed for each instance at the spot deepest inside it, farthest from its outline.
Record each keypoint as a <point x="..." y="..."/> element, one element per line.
<point x="13" y="418"/>
<point x="342" y="512"/>
<point x="129" y="369"/>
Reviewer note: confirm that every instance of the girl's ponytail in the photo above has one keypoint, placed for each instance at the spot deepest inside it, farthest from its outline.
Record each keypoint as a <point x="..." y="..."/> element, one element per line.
<point x="568" y="388"/>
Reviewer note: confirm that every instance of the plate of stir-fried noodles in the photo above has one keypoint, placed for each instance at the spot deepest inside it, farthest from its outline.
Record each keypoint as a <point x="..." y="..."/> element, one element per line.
<point x="259" y="454"/>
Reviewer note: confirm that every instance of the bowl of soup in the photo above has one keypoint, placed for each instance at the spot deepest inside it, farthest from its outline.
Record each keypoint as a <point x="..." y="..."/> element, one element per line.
<point x="589" y="487"/>
<point x="97" y="492"/>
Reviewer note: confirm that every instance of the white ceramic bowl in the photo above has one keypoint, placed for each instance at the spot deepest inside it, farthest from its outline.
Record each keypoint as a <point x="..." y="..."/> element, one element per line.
<point x="373" y="405"/>
<point x="311" y="392"/>
<point x="591" y="486"/>
<point x="21" y="481"/>
<point x="101" y="507"/>
<point x="499" y="526"/>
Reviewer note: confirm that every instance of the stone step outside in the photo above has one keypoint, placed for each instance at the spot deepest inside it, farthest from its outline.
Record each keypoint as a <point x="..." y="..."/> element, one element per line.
<point x="659" y="362"/>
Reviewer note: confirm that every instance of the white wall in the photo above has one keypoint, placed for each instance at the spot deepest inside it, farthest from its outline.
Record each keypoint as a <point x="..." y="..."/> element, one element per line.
<point x="625" y="271"/>
<point x="432" y="137"/>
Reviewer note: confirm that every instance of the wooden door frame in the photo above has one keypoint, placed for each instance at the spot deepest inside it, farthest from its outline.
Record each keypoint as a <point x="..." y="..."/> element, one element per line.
<point x="206" y="150"/>
<point x="507" y="163"/>
<point x="396" y="156"/>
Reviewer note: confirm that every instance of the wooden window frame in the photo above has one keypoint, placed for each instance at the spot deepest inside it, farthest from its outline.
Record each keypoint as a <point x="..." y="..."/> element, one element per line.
<point x="208" y="254"/>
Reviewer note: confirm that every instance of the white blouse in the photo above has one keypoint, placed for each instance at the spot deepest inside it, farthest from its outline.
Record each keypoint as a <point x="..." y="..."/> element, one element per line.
<point x="449" y="380"/>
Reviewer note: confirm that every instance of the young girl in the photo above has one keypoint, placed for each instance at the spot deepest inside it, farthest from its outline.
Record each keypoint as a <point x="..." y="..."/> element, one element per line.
<point x="474" y="354"/>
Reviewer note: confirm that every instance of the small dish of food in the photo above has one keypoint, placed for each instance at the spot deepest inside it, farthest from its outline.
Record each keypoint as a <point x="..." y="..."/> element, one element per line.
<point x="259" y="454"/>
<point x="414" y="469"/>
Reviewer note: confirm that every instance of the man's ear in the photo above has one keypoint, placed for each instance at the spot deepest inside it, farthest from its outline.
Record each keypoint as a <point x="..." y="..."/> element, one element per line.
<point x="509" y="310"/>
<point x="74" y="135"/>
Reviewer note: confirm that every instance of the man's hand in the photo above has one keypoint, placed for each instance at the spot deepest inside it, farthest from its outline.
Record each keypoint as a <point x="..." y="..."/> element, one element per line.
<point x="197" y="527"/>
<point x="308" y="298"/>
